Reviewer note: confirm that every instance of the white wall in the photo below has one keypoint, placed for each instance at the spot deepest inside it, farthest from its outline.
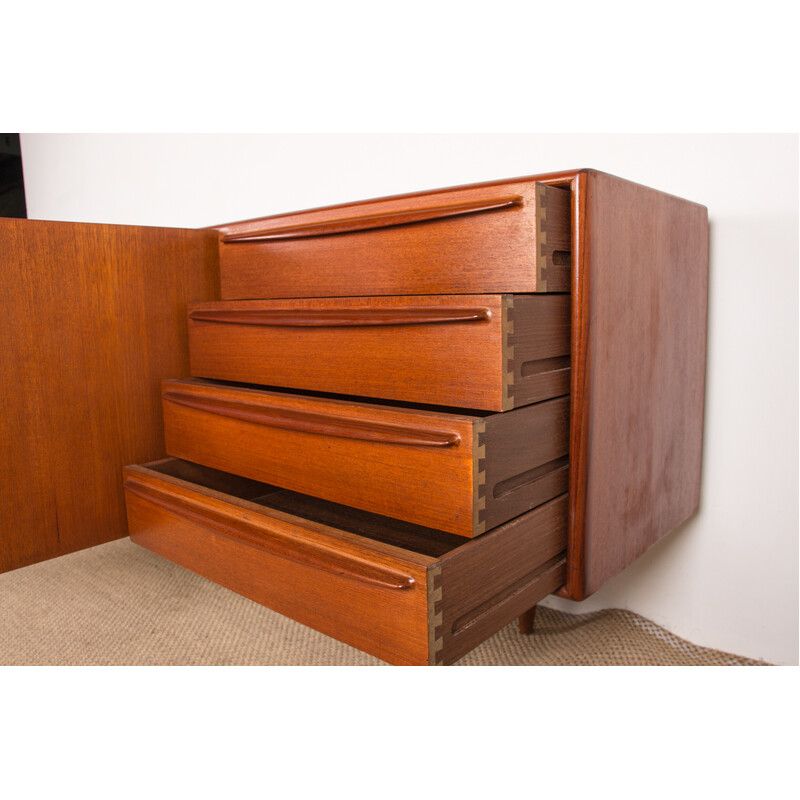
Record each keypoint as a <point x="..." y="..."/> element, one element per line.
<point x="728" y="578"/>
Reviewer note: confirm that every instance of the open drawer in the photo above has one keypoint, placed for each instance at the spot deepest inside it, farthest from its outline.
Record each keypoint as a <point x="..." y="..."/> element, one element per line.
<point x="463" y="473"/>
<point x="492" y="352"/>
<point x="504" y="236"/>
<point x="406" y="594"/>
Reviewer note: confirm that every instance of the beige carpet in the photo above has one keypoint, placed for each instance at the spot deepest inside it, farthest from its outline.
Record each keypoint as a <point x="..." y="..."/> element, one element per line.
<point x="118" y="604"/>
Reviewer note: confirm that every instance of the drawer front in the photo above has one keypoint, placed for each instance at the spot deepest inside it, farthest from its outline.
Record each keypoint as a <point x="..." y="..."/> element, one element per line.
<point x="507" y="237"/>
<point x="390" y="600"/>
<point x="407" y="464"/>
<point x="427" y="467"/>
<point x="489" y="352"/>
<point x="375" y="601"/>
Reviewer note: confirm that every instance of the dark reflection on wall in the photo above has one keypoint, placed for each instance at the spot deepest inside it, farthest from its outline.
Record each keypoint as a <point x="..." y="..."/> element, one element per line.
<point x="12" y="187"/>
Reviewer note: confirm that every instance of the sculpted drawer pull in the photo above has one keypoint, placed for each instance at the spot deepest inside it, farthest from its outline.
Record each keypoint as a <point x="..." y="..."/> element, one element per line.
<point x="340" y="317"/>
<point x="313" y="422"/>
<point x="371" y="221"/>
<point x="321" y="558"/>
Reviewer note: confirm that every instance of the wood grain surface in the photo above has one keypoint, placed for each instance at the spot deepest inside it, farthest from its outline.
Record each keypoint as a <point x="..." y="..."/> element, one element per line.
<point x="380" y="534"/>
<point x="505" y="236"/>
<point x="524" y="460"/>
<point x="640" y="288"/>
<point x="538" y="354"/>
<point x="94" y="318"/>
<point x="467" y="351"/>
<point x="527" y="621"/>
<point x="368" y="594"/>
<point x="431" y="468"/>
<point x="485" y="584"/>
<point x="426" y="485"/>
<point x="427" y="541"/>
<point x="401" y="605"/>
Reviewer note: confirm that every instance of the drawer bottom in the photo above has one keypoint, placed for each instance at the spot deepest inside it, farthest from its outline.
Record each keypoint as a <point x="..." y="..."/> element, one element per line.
<point x="403" y="593"/>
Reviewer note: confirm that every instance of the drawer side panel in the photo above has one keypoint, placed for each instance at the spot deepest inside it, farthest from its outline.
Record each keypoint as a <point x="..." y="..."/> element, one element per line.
<point x="538" y="347"/>
<point x="525" y="460"/>
<point x="486" y="584"/>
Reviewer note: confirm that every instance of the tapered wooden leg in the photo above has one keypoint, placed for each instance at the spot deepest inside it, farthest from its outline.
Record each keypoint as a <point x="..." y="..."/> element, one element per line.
<point x="526" y="621"/>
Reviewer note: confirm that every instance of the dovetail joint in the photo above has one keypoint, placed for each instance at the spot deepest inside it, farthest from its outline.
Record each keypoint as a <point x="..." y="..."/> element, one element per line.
<point x="479" y="478"/>
<point x="508" y="352"/>
<point x="541" y="238"/>
<point x="435" y="624"/>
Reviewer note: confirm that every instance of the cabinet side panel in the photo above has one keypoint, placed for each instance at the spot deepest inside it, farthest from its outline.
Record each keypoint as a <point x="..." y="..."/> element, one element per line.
<point x="94" y="318"/>
<point x="642" y="360"/>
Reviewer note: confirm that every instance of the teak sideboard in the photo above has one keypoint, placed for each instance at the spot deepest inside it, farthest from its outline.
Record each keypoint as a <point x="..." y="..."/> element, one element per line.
<point x="402" y="422"/>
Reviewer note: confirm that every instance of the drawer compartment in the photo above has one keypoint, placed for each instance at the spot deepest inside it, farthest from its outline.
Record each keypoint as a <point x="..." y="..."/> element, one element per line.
<point x="510" y="236"/>
<point x="493" y="352"/>
<point x="405" y="594"/>
<point x="458" y="472"/>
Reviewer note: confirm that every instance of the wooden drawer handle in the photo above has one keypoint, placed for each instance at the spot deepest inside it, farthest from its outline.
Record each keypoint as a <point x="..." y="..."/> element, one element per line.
<point x="341" y="317"/>
<point x="367" y="222"/>
<point x="311" y="422"/>
<point x="321" y="558"/>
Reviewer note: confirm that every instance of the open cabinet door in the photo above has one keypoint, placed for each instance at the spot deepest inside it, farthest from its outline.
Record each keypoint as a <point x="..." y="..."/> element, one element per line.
<point x="92" y="318"/>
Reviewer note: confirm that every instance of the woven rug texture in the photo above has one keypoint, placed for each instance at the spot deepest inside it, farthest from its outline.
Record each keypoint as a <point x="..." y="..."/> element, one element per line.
<point x="118" y="604"/>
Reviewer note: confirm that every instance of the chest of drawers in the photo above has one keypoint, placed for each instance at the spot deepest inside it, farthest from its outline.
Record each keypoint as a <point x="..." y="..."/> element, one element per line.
<point x="411" y="419"/>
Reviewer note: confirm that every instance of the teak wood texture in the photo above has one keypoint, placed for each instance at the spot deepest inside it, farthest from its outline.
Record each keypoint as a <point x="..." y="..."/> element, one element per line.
<point x="507" y="236"/>
<point x="401" y="593"/>
<point x="487" y="583"/>
<point x="639" y="304"/>
<point x="453" y="472"/>
<point x="639" y="286"/>
<point x="491" y="352"/>
<point x="93" y="319"/>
